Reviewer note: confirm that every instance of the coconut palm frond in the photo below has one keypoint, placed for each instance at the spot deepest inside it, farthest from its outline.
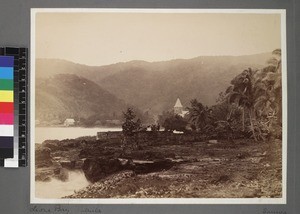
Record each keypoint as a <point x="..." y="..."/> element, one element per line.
<point x="260" y="102"/>
<point x="270" y="77"/>
<point x="278" y="82"/>
<point x="234" y="97"/>
<point x="229" y="89"/>
<point x="277" y="52"/>
<point x="273" y="61"/>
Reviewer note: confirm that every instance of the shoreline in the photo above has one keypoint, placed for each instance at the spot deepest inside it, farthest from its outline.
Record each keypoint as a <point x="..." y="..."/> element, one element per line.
<point x="171" y="169"/>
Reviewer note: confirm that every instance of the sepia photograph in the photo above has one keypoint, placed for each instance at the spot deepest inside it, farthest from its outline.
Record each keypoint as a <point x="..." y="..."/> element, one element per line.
<point x="158" y="106"/>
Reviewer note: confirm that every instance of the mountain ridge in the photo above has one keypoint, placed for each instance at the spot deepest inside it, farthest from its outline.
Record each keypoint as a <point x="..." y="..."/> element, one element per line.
<point x="155" y="86"/>
<point x="69" y="96"/>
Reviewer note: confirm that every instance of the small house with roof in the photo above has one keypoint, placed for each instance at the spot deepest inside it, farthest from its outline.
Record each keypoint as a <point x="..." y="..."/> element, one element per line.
<point x="69" y="122"/>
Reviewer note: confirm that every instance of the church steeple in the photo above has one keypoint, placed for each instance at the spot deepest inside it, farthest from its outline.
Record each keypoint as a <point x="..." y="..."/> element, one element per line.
<point x="178" y="107"/>
<point x="178" y="103"/>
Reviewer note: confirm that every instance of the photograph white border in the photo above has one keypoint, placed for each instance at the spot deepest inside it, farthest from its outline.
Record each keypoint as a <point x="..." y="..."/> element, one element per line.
<point x="34" y="200"/>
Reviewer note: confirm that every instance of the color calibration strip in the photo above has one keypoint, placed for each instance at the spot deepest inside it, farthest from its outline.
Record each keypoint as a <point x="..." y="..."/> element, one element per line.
<point x="6" y="107"/>
<point x="16" y="92"/>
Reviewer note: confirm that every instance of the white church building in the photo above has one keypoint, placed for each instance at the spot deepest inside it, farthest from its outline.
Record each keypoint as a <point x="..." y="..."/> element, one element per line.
<point x="178" y="109"/>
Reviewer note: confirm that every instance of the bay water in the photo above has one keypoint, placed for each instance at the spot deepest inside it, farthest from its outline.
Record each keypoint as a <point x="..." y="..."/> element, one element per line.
<point x="55" y="188"/>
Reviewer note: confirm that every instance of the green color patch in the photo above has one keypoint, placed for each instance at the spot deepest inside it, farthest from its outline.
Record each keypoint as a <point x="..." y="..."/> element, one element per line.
<point x="6" y="84"/>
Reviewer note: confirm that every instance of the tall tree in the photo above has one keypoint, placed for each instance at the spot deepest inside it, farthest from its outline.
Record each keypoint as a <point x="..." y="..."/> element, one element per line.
<point x="268" y="104"/>
<point x="242" y="94"/>
<point x="258" y="93"/>
<point x="130" y="125"/>
<point x="269" y="88"/>
<point x="199" y="115"/>
<point x="275" y="79"/>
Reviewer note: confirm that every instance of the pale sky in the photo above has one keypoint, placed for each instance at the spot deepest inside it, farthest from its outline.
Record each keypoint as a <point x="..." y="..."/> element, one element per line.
<point x="107" y="38"/>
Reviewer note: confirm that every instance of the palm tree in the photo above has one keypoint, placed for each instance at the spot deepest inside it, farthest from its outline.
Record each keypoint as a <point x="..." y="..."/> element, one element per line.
<point x="276" y="60"/>
<point x="198" y="114"/>
<point x="276" y="79"/>
<point x="258" y="93"/>
<point x="268" y="87"/>
<point x="242" y="94"/>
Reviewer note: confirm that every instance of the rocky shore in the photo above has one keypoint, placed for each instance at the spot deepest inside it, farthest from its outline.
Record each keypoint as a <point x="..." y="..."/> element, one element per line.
<point x="237" y="168"/>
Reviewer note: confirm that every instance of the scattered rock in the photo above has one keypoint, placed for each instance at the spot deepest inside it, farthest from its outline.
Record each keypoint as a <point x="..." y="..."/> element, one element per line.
<point x="242" y="155"/>
<point x="79" y="164"/>
<point x="213" y="141"/>
<point x="148" y="167"/>
<point x="98" y="168"/>
<point x="43" y="174"/>
<point x="63" y="174"/>
<point x="125" y="162"/>
<point x="52" y="144"/>
<point x="212" y="169"/>
<point x="43" y="157"/>
<point x="221" y="179"/>
<point x="68" y="164"/>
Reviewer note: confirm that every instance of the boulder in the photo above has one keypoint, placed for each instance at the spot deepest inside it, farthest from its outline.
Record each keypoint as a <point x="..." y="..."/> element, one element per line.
<point x="141" y="167"/>
<point x="43" y="174"/>
<point x="98" y="168"/>
<point x="79" y="164"/>
<point x="213" y="141"/>
<point x="51" y="144"/>
<point x="48" y="173"/>
<point x="63" y="174"/>
<point x="98" y="150"/>
<point x="43" y="157"/>
<point x="68" y="164"/>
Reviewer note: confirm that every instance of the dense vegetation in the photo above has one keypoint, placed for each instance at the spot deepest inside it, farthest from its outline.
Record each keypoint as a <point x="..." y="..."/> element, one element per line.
<point x="96" y="96"/>
<point x="250" y="107"/>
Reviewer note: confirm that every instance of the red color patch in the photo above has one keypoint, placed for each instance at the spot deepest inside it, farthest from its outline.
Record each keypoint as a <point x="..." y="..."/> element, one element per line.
<point x="6" y="107"/>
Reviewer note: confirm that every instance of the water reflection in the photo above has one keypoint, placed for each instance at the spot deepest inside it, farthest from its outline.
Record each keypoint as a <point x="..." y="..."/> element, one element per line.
<point x="57" y="189"/>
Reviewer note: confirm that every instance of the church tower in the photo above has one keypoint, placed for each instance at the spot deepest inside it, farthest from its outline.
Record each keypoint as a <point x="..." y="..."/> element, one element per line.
<point x="178" y="107"/>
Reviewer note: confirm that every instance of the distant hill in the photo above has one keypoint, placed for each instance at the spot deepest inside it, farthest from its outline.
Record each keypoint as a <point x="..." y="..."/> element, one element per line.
<point x="69" y="96"/>
<point x="154" y="86"/>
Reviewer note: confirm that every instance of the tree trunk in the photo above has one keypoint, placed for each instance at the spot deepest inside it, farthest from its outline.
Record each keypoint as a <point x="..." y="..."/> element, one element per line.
<point x="229" y="116"/>
<point x="251" y="123"/>
<point x="243" y="119"/>
<point x="279" y="112"/>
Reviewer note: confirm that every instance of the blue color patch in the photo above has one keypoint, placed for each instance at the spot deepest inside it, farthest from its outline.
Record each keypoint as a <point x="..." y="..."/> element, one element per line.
<point x="6" y="73"/>
<point x="6" y="61"/>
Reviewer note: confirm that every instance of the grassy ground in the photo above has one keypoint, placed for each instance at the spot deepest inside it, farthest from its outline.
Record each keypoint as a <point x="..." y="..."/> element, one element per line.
<point x="226" y="169"/>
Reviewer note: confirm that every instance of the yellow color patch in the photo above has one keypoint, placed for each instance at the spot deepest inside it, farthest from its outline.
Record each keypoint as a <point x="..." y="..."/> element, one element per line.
<point x="6" y="96"/>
